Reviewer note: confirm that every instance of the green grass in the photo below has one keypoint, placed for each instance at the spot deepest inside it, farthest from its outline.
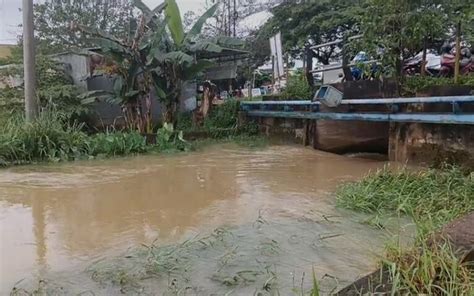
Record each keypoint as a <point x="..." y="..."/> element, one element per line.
<point x="428" y="269"/>
<point x="55" y="137"/>
<point x="52" y="137"/>
<point x="432" y="198"/>
<point x="428" y="196"/>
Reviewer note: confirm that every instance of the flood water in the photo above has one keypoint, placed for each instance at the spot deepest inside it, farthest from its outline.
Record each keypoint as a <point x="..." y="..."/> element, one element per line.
<point x="58" y="220"/>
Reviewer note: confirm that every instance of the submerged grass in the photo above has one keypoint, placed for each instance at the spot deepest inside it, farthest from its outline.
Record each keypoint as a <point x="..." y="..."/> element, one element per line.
<point x="432" y="198"/>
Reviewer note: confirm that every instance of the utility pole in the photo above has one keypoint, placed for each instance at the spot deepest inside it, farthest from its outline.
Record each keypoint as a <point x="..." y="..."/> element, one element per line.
<point x="31" y="106"/>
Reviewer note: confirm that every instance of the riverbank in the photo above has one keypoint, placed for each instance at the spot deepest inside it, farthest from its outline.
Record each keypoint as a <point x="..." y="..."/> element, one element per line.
<point x="55" y="137"/>
<point x="436" y="263"/>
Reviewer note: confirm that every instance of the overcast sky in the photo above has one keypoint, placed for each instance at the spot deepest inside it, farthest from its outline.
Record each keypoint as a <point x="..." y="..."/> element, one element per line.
<point x="10" y="16"/>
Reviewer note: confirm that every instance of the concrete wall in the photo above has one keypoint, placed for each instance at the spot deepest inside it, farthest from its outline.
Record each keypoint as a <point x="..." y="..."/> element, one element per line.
<point x="432" y="144"/>
<point x="106" y="114"/>
<point x="77" y="67"/>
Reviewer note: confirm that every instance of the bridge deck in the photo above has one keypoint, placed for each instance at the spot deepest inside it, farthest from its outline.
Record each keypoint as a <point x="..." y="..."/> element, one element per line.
<point x="284" y="109"/>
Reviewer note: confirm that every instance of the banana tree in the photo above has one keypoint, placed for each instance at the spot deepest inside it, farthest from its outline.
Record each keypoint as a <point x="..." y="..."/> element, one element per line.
<point x="158" y="56"/>
<point x="175" y="55"/>
<point x="133" y="83"/>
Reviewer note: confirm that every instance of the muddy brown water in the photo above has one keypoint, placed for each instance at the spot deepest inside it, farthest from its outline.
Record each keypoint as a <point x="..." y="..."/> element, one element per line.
<point x="272" y="207"/>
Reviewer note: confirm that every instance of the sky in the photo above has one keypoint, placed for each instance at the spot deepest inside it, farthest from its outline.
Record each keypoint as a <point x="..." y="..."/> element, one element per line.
<point x="10" y="16"/>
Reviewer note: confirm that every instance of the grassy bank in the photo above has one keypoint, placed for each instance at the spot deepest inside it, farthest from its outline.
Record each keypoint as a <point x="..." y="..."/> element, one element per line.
<point x="55" y="137"/>
<point x="432" y="198"/>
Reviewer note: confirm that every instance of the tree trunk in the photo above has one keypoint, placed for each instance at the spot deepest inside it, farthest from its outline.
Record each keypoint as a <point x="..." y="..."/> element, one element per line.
<point x="170" y="113"/>
<point x="204" y="110"/>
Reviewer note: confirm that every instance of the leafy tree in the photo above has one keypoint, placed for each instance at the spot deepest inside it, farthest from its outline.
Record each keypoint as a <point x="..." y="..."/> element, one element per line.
<point x="402" y="28"/>
<point x="55" y="89"/>
<point x="53" y="20"/>
<point x="313" y="22"/>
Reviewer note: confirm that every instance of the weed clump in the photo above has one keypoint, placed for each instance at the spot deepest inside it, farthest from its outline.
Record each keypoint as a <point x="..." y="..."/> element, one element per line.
<point x="432" y="198"/>
<point x="428" y="269"/>
<point x="429" y="196"/>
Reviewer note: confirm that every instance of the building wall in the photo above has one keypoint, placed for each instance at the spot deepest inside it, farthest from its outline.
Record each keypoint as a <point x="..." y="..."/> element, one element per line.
<point x="77" y="67"/>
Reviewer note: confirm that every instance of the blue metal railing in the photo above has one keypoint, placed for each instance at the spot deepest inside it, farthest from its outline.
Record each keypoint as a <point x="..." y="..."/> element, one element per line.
<point x="261" y="109"/>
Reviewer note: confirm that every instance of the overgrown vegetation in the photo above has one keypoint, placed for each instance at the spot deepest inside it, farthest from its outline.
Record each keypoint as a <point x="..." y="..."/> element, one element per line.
<point x="435" y="196"/>
<point x="432" y="198"/>
<point x="433" y="268"/>
<point x="55" y="137"/>
<point x="297" y="87"/>
<point x="54" y="88"/>
<point x="413" y="85"/>
<point x="221" y="123"/>
<point x="157" y="55"/>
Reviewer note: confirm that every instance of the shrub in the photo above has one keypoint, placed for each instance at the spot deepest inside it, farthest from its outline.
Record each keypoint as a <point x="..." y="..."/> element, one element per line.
<point x="297" y="88"/>
<point x="223" y="116"/>
<point x="117" y="143"/>
<point x="414" y="84"/>
<point x="54" y="88"/>
<point x="168" y="139"/>
<point x="48" y="138"/>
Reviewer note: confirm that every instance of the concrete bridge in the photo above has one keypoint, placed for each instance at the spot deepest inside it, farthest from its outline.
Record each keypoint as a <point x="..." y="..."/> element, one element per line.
<point x="417" y="129"/>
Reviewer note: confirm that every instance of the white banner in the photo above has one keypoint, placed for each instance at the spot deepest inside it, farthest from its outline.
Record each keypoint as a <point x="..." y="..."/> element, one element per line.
<point x="277" y="54"/>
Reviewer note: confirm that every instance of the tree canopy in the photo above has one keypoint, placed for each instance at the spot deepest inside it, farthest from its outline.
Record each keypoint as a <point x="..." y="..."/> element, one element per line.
<point x="313" y="22"/>
<point x="53" y="21"/>
<point x="399" y="27"/>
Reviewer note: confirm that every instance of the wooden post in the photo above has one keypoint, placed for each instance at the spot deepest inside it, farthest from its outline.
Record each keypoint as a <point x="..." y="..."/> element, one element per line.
<point x="458" y="53"/>
<point x="31" y="103"/>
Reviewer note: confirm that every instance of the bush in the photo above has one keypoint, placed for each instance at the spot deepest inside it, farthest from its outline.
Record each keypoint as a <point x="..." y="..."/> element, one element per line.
<point x="168" y="139"/>
<point x="117" y="143"/>
<point x="53" y="138"/>
<point x="414" y="84"/>
<point x="297" y="88"/>
<point x="54" y="88"/>
<point x="48" y="138"/>
<point x="223" y="116"/>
